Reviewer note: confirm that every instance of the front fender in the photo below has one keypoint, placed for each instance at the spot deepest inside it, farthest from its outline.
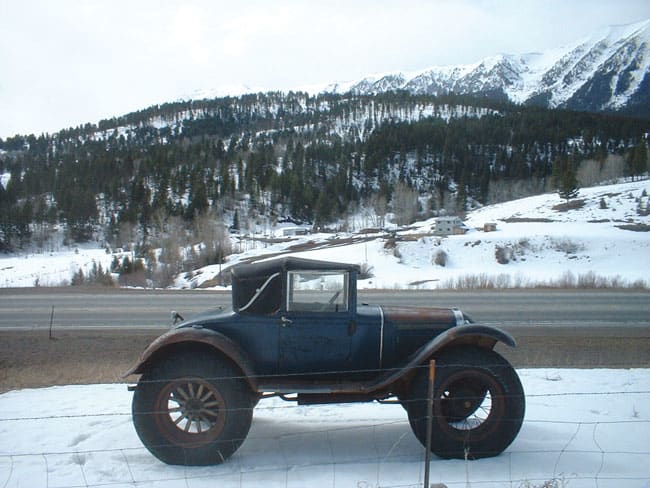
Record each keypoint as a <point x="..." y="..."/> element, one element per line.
<point x="191" y="335"/>
<point x="483" y="336"/>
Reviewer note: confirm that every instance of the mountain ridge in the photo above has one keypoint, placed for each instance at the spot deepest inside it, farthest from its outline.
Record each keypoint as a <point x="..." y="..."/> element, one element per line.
<point x="608" y="71"/>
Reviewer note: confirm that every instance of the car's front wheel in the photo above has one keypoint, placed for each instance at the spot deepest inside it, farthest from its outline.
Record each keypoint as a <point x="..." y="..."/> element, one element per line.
<point x="192" y="409"/>
<point x="478" y="404"/>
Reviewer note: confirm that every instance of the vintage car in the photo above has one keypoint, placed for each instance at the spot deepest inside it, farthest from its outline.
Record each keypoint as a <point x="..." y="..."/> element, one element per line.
<point x="296" y="331"/>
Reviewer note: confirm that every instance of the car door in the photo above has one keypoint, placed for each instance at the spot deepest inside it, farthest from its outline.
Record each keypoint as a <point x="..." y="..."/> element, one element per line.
<point x="316" y="325"/>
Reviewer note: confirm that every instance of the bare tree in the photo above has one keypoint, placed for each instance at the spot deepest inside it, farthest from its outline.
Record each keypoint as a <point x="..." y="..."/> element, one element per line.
<point x="211" y="234"/>
<point x="405" y="204"/>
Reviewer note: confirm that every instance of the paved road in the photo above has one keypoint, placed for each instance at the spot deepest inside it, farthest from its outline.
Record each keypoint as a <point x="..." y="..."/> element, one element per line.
<point x="97" y="335"/>
<point x="537" y="311"/>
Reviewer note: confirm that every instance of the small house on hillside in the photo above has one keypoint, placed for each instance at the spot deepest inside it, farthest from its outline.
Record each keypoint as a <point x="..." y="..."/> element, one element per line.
<point x="490" y="227"/>
<point x="294" y="231"/>
<point x="449" y="226"/>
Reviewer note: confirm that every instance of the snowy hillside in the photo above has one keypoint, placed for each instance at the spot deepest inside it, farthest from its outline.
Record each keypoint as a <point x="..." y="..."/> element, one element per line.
<point x="542" y="244"/>
<point x="604" y="242"/>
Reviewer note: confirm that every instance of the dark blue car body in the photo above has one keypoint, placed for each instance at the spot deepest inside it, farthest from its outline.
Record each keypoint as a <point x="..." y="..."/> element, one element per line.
<point x="283" y="345"/>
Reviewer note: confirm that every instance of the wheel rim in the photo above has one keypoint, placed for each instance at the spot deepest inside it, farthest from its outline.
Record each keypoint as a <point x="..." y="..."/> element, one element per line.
<point x="469" y="404"/>
<point x="462" y="399"/>
<point x="190" y="411"/>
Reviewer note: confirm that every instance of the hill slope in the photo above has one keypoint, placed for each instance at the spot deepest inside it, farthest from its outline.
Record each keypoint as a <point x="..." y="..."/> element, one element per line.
<point x="604" y="242"/>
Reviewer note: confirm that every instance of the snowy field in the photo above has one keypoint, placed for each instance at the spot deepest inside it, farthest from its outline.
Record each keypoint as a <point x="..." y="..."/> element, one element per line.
<point x="583" y="428"/>
<point x="543" y="246"/>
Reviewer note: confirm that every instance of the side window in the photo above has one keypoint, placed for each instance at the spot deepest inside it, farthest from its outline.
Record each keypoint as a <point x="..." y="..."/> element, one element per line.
<point x="318" y="291"/>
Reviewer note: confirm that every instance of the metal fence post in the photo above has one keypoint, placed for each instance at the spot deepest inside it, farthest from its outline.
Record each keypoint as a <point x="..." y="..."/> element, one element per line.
<point x="427" y="455"/>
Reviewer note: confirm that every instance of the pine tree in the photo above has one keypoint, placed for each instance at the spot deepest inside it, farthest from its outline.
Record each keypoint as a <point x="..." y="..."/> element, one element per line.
<point x="637" y="160"/>
<point x="565" y="179"/>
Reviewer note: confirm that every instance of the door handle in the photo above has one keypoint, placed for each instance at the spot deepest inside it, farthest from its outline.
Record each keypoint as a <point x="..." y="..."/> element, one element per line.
<point x="285" y="321"/>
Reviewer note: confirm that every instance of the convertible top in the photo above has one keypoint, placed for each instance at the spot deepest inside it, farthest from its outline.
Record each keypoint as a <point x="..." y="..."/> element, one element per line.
<point x="279" y="265"/>
<point x="250" y="278"/>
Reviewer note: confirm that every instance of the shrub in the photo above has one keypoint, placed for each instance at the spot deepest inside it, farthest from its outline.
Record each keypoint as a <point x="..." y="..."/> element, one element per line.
<point x="367" y="271"/>
<point x="132" y="273"/>
<point x="567" y="246"/>
<point x="397" y="254"/>
<point x="391" y="243"/>
<point x="96" y="276"/>
<point x="440" y="259"/>
<point x="503" y="254"/>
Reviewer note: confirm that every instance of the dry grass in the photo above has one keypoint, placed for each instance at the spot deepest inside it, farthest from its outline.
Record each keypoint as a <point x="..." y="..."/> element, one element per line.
<point x="29" y="359"/>
<point x="568" y="280"/>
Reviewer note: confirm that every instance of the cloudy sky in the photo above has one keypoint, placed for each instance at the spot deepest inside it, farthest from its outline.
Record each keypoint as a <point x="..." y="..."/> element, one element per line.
<point x="67" y="62"/>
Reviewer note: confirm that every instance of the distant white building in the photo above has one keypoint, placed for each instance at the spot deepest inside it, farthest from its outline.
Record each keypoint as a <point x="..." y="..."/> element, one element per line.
<point x="449" y="226"/>
<point x="294" y="231"/>
<point x="489" y="227"/>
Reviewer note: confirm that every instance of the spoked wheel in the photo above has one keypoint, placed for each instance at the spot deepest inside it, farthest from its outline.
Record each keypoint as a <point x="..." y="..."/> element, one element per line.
<point x="195" y="410"/>
<point x="192" y="409"/>
<point x="478" y="405"/>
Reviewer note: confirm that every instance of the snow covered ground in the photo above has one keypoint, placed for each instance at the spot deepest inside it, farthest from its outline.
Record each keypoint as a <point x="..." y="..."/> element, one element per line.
<point x="543" y="245"/>
<point x="583" y="428"/>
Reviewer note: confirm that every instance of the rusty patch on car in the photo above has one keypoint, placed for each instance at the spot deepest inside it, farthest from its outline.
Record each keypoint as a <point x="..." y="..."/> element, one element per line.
<point x="419" y="317"/>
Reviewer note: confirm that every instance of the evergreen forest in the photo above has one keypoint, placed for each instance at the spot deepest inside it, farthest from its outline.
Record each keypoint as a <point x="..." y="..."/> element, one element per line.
<point x="315" y="160"/>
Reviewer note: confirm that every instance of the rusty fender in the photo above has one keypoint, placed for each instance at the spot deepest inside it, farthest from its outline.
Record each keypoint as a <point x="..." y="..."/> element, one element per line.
<point x="482" y="336"/>
<point x="185" y="336"/>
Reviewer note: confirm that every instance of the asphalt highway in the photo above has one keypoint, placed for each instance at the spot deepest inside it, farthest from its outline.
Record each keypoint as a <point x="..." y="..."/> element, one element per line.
<point x="538" y="312"/>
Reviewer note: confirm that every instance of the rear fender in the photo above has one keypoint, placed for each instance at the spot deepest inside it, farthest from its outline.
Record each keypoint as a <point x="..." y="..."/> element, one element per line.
<point x="476" y="335"/>
<point x="176" y="338"/>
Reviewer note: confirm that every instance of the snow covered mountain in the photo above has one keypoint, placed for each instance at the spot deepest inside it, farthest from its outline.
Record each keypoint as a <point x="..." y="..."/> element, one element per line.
<point x="609" y="71"/>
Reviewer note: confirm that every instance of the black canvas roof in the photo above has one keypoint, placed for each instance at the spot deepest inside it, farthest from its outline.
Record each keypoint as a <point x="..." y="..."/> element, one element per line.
<point x="257" y="287"/>
<point x="267" y="268"/>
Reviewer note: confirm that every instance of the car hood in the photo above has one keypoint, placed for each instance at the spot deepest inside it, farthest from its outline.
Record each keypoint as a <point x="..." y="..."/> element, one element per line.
<point x="405" y="318"/>
<point x="208" y="317"/>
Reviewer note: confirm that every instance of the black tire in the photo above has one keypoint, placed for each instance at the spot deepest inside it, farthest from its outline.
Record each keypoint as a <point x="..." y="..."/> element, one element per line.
<point x="192" y="409"/>
<point x="478" y="404"/>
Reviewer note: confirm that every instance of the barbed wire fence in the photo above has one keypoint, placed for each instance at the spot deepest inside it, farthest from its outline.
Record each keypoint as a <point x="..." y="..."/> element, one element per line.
<point x="383" y="453"/>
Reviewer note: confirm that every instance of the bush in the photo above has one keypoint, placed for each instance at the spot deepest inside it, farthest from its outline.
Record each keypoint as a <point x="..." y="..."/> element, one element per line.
<point x="440" y="259"/>
<point x="567" y="246"/>
<point x="96" y="276"/>
<point x="367" y="271"/>
<point x="397" y="254"/>
<point x="391" y="243"/>
<point x="503" y="254"/>
<point x="163" y="276"/>
<point x="132" y="273"/>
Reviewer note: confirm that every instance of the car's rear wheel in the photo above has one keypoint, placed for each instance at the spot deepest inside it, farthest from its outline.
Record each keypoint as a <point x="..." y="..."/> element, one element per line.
<point x="192" y="409"/>
<point x="478" y="404"/>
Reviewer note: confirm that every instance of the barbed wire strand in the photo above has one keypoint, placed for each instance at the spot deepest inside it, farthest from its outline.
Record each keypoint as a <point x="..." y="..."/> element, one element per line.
<point x="602" y="454"/>
<point x="563" y="450"/>
<point x="128" y="467"/>
<point x="290" y="406"/>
